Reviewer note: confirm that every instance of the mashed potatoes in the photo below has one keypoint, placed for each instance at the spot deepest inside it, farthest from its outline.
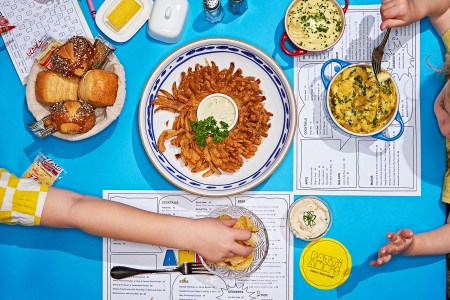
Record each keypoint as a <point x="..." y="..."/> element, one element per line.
<point x="314" y="24"/>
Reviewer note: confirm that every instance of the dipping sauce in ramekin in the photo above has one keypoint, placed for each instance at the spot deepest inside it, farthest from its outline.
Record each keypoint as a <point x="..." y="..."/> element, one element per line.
<point x="219" y="106"/>
<point x="309" y="218"/>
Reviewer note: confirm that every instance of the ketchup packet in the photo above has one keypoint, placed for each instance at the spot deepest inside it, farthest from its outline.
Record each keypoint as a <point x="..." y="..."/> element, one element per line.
<point x="44" y="170"/>
<point x="46" y="51"/>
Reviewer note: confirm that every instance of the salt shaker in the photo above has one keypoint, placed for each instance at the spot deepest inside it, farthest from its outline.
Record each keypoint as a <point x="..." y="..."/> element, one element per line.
<point x="237" y="7"/>
<point x="213" y="10"/>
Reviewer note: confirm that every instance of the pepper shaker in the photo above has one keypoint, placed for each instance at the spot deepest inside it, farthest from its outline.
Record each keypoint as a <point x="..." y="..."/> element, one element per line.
<point x="237" y="7"/>
<point x="213" y="10"/>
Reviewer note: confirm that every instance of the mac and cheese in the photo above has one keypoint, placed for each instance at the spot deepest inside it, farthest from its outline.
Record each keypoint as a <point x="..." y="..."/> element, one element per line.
<point x="361" y="104"/>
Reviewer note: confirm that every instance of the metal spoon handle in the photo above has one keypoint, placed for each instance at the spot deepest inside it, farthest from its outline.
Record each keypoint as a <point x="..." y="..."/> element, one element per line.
<point x="120" y="272"/>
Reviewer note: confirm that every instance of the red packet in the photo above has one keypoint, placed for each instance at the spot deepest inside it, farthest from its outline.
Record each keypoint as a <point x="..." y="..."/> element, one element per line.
<point x="43" y="50"/>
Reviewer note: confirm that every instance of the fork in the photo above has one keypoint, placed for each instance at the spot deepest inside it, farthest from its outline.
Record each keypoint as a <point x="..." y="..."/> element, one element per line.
<point x="121" y="272"/>
<point x="378" y="52"/>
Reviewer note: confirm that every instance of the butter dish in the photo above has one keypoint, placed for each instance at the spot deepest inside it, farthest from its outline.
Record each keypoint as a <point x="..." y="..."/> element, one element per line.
<point x="121" y="19"/>
<point x="167" y="20"/>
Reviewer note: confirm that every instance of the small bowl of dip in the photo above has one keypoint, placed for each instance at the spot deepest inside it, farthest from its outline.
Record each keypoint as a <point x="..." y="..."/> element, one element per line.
<point x="220" y="106"/>
<point x="309" y="218"/>
<point x="313" y="25"/>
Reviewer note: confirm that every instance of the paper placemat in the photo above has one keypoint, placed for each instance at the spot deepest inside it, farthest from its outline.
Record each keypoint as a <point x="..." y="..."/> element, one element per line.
<point x="59" y="19"/>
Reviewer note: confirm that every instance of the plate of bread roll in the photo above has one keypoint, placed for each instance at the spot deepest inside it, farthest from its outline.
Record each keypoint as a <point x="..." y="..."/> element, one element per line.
<point x="80" y="92"/>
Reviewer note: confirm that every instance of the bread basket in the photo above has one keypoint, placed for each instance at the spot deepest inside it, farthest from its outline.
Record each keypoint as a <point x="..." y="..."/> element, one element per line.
<point x="104" y="115"/>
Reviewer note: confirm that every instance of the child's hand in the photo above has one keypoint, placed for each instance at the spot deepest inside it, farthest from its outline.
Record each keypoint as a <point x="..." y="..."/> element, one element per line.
<point x="397" y="13"/>
<point x="442" y="110"/>
<point x="398" y="242"/>
<point x="217" y="240"/>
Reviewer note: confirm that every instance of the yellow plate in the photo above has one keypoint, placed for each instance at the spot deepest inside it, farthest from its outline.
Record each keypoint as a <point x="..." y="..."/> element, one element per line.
<point x="325" y="264"/>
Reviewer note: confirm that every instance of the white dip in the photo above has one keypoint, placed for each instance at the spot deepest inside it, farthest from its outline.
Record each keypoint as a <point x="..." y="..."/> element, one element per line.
<point x="309" y="218"/>
<point x="219" y="106"/>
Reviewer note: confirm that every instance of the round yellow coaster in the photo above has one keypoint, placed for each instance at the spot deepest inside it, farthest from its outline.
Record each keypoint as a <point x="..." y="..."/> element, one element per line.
<point x="325" y="264"/>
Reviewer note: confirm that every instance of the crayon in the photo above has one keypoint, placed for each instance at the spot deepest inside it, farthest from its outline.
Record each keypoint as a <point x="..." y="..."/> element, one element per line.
<point x="91" y="8"/>
<point x="6" y="28"/>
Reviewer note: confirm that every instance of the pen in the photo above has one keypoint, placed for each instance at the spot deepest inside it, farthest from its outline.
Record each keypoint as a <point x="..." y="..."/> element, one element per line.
<point x="91" y="8"/>
<point x="6" y="28"/>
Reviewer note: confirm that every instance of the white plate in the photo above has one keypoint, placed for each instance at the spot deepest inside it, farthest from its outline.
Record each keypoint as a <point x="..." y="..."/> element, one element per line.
<point x="104" y="115"/>
<point x="280" y="101"/>
<point x="131" y="28"/>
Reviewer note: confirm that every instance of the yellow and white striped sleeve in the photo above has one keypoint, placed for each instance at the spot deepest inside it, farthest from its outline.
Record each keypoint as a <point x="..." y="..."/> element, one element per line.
<point x="21" y="199"/>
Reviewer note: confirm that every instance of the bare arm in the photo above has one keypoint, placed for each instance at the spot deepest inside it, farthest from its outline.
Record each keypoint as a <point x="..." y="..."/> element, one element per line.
<point x="442" y="22"/>
<point x="211" y="238"/>
<point x="434" y="242"/>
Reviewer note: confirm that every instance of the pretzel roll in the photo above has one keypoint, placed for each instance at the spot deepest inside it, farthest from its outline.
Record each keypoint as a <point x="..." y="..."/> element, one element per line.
<point x="74" y="57"/>
<point x="72" y="117"/>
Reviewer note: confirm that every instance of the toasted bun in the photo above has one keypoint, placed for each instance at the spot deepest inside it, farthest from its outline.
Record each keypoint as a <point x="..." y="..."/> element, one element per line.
<point x="51" y="87"/>
<point x="72" y="117"/>
<point x="74" y="57"/>
<point x="99" y="88"/>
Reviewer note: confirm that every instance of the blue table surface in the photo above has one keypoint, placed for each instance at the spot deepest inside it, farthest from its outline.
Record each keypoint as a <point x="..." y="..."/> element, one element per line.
<point x="48" y="263"/>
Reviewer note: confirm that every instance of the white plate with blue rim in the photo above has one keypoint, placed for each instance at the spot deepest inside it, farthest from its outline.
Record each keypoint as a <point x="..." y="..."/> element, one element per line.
<point x="280" y="101"/>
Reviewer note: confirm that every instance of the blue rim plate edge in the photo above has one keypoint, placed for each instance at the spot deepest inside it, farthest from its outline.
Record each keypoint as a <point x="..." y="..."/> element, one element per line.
<point x="142" y="120"/>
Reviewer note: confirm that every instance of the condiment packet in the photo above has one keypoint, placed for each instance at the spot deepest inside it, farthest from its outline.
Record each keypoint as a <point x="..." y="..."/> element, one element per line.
<point x="102" y="49"/>
<point x="44" y="170"/>
<point x="46" y="51"/>
<point x="43" y="127"/>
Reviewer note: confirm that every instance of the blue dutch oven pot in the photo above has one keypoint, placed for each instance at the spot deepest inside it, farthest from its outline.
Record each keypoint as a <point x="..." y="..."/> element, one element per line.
<point x="379" y="133"/>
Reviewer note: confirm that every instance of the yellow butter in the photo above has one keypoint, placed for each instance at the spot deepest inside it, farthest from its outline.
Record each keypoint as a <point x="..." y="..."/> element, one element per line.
<point x="124" y="11"/>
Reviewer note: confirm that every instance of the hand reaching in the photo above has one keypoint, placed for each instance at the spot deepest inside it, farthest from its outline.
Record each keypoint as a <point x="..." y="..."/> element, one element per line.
<point x="398" y="243"/>
<point x="442" y="109"/>
<point x="217" y="240"/>
<point x="397" y="13"/>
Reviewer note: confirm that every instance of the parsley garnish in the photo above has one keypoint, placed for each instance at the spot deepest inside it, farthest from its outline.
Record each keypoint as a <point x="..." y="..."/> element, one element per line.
<point x="203" y="128"/>
<point x="309" y="218"/>
<point x="374" y="122"/>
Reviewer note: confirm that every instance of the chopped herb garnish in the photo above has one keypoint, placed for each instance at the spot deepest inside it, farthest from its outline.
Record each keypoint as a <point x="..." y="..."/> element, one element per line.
<point x="309" y="218"/>
<point x="374" y="123"/>
<point x="208" y="127"/>
<point x="358" y="81"/>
